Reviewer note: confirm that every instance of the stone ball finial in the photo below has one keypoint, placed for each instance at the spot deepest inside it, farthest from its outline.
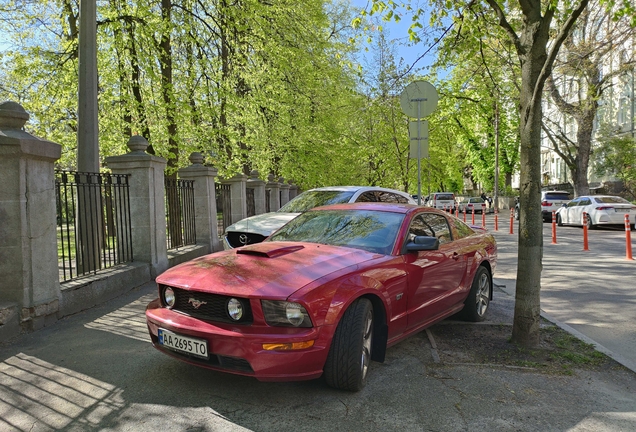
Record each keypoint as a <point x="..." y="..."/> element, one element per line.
<point x="254" y="174"/>
<point x="12" y="115"/>
<point x="281" y="180"/>
<point x="270" y="177"/>
<point x="196" y="158"/>
<point x="137" y="144"/>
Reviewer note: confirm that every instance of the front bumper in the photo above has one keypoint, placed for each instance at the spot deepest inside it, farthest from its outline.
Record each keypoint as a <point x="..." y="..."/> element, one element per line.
<point x="239" y="349"/>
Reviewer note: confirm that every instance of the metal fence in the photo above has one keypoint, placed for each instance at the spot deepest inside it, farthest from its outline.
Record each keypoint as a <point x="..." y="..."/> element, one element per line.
<point x="223" y="206"/>
<point x="250" y="201"/>
<point x="268" y="194"/>
<point x="180" y="224"/>
<point x="93" y="222"/>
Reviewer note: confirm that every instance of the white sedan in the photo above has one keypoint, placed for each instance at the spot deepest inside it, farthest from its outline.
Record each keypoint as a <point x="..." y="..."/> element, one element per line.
<point x="600" y="210"/>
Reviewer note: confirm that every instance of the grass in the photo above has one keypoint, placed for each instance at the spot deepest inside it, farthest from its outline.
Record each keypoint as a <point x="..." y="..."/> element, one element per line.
<point x="557" y="353"/>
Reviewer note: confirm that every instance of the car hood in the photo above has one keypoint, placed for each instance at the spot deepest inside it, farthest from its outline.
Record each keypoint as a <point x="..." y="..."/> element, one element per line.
<point x="272" y="270"/>
<point x="263" y="224"/>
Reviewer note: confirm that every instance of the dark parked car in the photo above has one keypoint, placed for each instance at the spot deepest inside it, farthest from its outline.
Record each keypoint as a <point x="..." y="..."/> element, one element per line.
<point x="326" y="294"/>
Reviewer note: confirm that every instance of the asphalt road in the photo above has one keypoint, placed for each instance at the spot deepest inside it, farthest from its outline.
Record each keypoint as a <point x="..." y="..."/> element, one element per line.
<point x="593" y="292"/>
<point x="97" y="371"/>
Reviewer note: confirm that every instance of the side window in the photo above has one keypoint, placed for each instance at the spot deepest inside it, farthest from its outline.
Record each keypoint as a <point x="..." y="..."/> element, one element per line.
<point x="432" y="225"/>
<point x="585" y="201"/>
<point x="573" y="203"/>
<point x="368" y="196"/>
<point x="389" y="197"/>
<point x="420" y="228"/>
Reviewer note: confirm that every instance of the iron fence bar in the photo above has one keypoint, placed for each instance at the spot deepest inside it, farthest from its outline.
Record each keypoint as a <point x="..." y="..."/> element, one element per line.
<point x="102" y="230"/>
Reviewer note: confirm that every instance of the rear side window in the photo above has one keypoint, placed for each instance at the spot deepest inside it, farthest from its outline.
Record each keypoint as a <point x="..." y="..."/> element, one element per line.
<point x="432" y="225"/>
<point x="445" y="197"/>
<point x="463" y="230"/>
<point x="557" y="196"/>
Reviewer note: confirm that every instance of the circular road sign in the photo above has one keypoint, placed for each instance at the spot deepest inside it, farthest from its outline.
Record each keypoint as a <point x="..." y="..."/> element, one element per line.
<point x="423" y="92"/>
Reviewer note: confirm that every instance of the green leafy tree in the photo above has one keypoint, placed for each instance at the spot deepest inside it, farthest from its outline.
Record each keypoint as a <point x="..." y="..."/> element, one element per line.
<point x="536" y="30"/>
<point x="616" y="156"/>
<point x="579" y="80"/>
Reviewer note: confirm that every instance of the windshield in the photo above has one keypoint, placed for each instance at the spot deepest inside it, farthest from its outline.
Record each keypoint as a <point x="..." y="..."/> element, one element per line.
<point x="310" y="199"/>
<point x="611" y="200"/>
<point x="374" y="231"/>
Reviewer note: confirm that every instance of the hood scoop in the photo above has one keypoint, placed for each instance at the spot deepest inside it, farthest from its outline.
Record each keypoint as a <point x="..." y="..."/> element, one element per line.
<point x="265" y="250"/>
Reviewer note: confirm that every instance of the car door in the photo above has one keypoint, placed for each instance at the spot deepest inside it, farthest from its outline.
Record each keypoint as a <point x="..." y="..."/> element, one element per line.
<point x="433" y="276"/>
<point x="567" y="211"/>
<point x="576" y="216"/>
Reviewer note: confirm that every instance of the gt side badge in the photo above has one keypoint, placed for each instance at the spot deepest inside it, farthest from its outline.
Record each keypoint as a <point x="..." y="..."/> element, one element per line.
<point x="399" y="296"/>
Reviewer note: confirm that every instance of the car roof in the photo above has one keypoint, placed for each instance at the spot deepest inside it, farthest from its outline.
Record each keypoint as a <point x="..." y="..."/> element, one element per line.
<point x="355" y="189"/>
<point x="555" y="191"/>
<point x="375" y="206"/>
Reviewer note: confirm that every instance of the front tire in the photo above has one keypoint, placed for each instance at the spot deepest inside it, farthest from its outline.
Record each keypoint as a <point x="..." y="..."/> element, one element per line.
<point x="478" y="300"/>
<point x="350" y="354"/>
<point x="559" y="220"/>
<point x="516" y="213"/>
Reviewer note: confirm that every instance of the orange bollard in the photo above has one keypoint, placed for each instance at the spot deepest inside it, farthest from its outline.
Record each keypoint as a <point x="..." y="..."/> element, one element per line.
<point x="483" y="215"/>
<point x="496" y="221"/>
<point x="554" y="227"/>
<point x="585" y="248"/>
<point x="512" y="218"/>
<point x="464" y="214"/>
<point x="456" y="211"/>
<point x="473" y="220"/>
<point x="628" y="239"/>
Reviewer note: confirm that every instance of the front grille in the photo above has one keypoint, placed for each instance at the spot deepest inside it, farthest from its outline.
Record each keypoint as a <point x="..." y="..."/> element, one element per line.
<point x="213" y="307"/>
<point x="238" y="239"/>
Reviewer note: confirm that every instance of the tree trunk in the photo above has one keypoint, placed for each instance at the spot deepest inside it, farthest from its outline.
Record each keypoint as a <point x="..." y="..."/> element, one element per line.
<point x="525" y="330"/>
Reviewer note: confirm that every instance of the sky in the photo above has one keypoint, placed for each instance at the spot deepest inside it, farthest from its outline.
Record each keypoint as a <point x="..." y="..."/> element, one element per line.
<point x="398" y="32"/>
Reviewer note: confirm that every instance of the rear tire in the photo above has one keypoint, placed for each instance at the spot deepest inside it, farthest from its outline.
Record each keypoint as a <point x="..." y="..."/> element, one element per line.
<point x="478" y="300"/>
<point x="350" y="354"/>
<point x="588" y="222"/>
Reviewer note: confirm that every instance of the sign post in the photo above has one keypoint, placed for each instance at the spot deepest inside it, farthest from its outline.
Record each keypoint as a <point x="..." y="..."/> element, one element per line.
<point x="419" y="99"/>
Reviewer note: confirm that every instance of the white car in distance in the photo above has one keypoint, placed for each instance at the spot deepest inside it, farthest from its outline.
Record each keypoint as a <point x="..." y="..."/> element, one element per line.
<point x="257" y="228"/>
<point x="599" y="209"/>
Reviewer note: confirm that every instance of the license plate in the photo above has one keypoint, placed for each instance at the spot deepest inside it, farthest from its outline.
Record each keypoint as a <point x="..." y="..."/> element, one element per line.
<point x="177" y="342"/>
<point x="622" y="210"/>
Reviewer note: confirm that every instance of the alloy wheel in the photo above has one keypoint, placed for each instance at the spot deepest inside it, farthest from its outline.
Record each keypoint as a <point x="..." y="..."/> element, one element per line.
<point x="483" y="294"/>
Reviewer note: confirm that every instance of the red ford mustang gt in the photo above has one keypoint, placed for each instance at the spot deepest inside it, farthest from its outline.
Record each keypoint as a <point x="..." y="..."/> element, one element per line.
<point x="325" y="294"/>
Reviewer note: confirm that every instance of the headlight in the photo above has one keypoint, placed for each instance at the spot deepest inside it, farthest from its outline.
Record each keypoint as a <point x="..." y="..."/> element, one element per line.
<point x="235" y="309"/>
<point x="169" y="297"/>
<point x="286" y="314"/>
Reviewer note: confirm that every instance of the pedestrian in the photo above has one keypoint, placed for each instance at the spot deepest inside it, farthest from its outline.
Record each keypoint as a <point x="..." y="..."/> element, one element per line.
<point x="483" y="196"/>
<point x="489" y="202"/>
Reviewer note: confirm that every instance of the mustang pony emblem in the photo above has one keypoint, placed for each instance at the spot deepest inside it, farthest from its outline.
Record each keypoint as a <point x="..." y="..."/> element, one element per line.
<point x="196" y="303"/>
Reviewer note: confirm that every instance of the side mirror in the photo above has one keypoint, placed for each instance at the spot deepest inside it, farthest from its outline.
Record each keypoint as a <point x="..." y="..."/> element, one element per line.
<point x="422" y="243"/>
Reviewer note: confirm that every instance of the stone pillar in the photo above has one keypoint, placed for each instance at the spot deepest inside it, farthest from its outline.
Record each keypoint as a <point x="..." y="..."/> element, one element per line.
<point x="274" y="193"/>
<point x="29" y="278"/>
<point x="147" y="203"/>
<point x="259" y="192"/>
<point x="238" y="196"/>
<point x="284" y="192"/>
<point x="204" y="200"/>
<point x="293" y="191"/>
